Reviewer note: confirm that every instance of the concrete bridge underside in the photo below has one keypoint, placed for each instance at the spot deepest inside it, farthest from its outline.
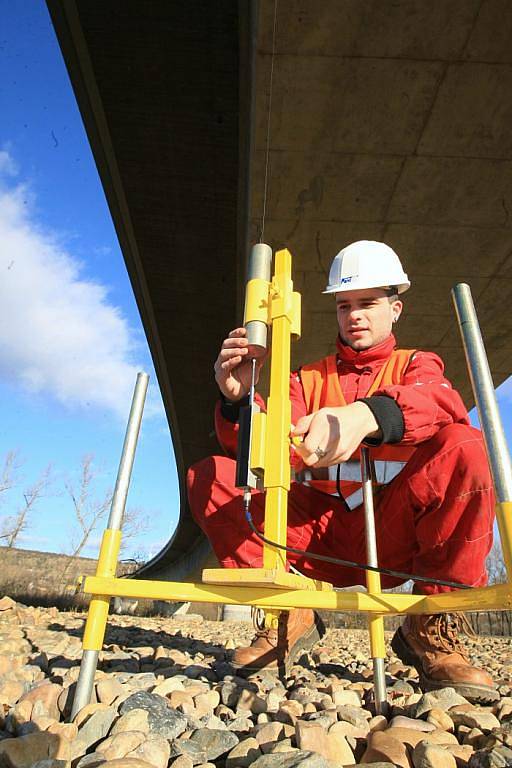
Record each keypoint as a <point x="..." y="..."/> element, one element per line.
<point x="389" y="120"/>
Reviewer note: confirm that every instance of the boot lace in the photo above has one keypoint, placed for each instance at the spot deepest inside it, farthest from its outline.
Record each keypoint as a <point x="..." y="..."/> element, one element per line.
<point x="445" y="629"/>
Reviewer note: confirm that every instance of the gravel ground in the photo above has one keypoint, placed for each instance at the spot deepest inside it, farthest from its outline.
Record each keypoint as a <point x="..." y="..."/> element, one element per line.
<point x="165" y="696"/>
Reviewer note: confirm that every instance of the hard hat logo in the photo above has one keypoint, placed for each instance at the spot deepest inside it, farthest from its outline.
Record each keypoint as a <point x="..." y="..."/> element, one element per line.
<point x="366" y="264"/>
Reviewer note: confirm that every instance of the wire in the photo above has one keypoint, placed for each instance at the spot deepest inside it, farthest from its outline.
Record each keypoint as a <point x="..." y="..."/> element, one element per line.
<point x="267" y="155"/>
<point x="347" y="563"/>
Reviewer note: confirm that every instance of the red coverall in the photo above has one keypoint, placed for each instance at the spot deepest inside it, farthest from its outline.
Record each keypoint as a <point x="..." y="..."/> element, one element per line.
<point x="434" y="519"/>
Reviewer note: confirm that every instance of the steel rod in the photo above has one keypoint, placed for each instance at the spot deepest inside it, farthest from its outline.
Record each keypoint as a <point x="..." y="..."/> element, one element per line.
<point x="376" y="623"/>
<point x="483" y="390"/>
<point x="124" y="473"/>
<point x="98" y="610"/>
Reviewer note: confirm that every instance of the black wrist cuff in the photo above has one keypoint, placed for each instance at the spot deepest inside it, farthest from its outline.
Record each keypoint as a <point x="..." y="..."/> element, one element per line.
<point x="231" y="410"/>
<point x="388" y="416"/>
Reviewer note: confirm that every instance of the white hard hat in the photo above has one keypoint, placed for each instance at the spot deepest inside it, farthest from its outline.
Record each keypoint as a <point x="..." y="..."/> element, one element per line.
<point x="366" y="264"/>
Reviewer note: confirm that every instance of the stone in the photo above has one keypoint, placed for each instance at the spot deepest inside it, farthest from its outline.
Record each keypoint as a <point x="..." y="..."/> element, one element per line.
<point x="7" y="603"/>
<point x="477" y="718"/>
<point x="156" y="751"/>
<point x="133" y="720"/>
<point x="444" y="698"/>
<point x="213" y="743"/>
<point x="440" y="719"/>
<point x="347" y="697"/>
<point x="120" y="744"/>
<point x="295" y="759"/>
<point x="24" y="751"/>
<point x="47" y="694"/>
<point x="96" y="727"/>
<point x="427" y="755"/>
<point x="243" y="754"/>
<point x="268" y="734"/>
<point x="408" y="722"/>
<point x="167" y="686"/>
<point x="127" y="762"/>
<point x="498" y="757"/>
<point x="384" y="747"/>
<point x="108" y="689"/>
<point x="162" y="719"/>
<point x="91" y="760"/>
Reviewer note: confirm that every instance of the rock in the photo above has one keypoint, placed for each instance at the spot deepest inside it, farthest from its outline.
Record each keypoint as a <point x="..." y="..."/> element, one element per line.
<point x="162" y="719"/>
<point x="477" y="718"/>
<point x="120" y="744"/>
<point x="96" y="727"/>
<point x="24" y="751"/>
<point x="127" y="762"/>
<point x="440" y="719"/>
<point x="268" y="734"/>
<point x="427" y="755"/>
<point x="213" y="743"/>
<point x="384" y="747"/>
<point x="295" y="759"/>
<point x="444" y="698"/>
<point x="108" y="689"/>
<point x="311" y="736"/>
<point x="408" y="722"/>
<point x="243" y="754"/>
<point x="47" y="694"/>
<point x="498" y="757"/>
<point x="90" y="761"/>
<point x="133" y="720"/>
<point x="343" y="698"/>
<point x="7" y="603"/>
<point x="155" y="750"/>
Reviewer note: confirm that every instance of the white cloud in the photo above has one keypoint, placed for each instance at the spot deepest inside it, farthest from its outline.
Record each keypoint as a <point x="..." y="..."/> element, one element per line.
<point x="59" y="335"/>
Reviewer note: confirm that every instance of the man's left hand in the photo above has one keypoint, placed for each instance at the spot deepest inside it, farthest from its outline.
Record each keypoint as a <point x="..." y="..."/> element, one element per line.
<point x="331" y="435"/>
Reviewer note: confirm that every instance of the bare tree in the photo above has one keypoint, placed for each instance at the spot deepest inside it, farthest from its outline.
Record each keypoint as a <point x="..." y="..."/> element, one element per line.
<point x="15" y="524"/>
<point x="88" y="510"/>
<point x="8" y="473"/>
<point x="496" y="565"/>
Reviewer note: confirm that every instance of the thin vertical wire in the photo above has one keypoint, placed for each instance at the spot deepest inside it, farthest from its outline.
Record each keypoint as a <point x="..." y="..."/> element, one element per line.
<point x="267" y="156"/>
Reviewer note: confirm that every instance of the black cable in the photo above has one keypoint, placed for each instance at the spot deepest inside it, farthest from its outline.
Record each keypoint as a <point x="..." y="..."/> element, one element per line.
<point x="349" y="563"/>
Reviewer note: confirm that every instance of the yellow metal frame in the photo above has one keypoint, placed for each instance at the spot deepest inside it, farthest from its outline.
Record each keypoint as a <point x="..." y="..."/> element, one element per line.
<point x="272" y="587"/>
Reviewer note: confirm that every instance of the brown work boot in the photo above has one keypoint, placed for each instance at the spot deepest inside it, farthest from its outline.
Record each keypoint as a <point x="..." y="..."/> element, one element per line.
<point x="275" y="650"/>
<point x="431" y="644"/>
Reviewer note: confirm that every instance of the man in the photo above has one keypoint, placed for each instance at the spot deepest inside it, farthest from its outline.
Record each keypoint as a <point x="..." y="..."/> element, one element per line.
<point x="435" y="503"/>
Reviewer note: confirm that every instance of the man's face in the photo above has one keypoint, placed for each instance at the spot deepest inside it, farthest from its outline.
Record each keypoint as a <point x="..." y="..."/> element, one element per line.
<point x="365" y="317"/>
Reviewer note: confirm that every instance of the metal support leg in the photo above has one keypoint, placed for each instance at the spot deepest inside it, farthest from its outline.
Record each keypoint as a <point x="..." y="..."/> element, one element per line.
<point x="489" y="415"/>
<point x="107" y="562"/>
<point x="375" y="623"/>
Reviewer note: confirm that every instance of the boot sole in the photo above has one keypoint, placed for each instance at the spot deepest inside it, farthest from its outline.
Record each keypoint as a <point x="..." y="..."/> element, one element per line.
<point x="482" y="694"/>
<point x="304" y="643"/>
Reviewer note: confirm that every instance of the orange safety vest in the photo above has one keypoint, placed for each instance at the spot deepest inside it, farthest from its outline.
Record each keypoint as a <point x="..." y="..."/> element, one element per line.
<point x="322" y="389"/>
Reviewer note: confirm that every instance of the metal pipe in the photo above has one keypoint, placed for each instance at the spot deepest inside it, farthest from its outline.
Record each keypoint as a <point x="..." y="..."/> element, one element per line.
<point x="85" y="682"/>
<point x="376" y="624"/>
<point x="483" y="390"/>
<point x="98" y="610"/>
<point x="124" y="473"/>
<point x="259" y="268"/>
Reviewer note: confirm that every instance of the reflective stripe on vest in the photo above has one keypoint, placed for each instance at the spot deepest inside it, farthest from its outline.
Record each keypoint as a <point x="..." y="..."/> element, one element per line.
<point x="350" y="471"/>
<point x="322" y="388"/>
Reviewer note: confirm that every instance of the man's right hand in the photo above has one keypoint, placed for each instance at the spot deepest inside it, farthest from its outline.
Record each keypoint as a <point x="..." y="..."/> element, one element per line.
<point x="233" y="367"/>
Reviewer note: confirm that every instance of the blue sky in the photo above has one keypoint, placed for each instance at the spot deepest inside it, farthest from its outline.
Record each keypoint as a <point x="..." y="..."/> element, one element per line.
<point x="70" y="335"/>
<point x="72" y="341"/>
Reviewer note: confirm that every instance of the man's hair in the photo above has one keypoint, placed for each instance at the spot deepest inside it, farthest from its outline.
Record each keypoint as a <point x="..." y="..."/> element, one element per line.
<point x="392" y="293"/>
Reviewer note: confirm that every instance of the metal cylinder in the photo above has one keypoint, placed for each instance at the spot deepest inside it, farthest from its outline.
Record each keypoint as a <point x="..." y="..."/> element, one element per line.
<point x="117" y="508"/>
<point x="85" y="682"/>
<point x="98" y="610"/>
<point x="376" y="623"/>
<point x="259" y="268"/>
<point x="483" y="391"/>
